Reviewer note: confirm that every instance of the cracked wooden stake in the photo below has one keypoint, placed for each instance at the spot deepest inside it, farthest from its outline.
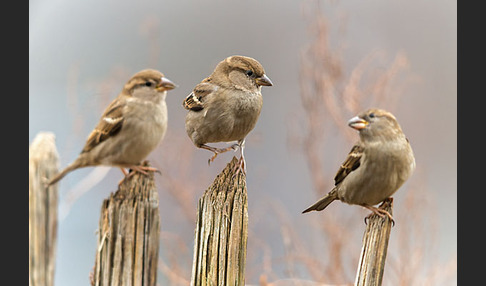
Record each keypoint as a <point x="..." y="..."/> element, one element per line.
<point x="43" y="203"/>
<point x="375" y="243"/>
<point x="222" y="231"/>
<point x="128" y="235"/>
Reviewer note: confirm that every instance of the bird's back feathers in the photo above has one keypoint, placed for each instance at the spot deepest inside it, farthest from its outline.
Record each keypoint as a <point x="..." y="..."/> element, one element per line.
<point x="351" y="163"/>
<point x="191" y="102"/>
<point x="110" y="124"/>
<point x="194" y="101"/>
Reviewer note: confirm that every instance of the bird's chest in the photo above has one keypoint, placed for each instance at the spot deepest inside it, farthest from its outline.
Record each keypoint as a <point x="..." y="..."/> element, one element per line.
<point x="377" y="178"/>
<point x="148" y="117"/>
<point x="148" y="126"/>
<point x="229" y="116"/>
<point x="247" y="110"/>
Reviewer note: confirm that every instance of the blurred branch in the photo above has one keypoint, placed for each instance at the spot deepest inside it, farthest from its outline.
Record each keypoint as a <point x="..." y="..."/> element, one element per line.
<point x="331" y="92"/>
<point x="330" y="266"/>
<point x="81" y="188"/>
<point x="173" y="276"/>
<point x="329" y="97"/>
<point x="179" y="179"/>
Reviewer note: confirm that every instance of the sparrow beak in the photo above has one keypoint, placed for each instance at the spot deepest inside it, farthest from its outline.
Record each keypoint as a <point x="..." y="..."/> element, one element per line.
<point x="165" y="84"/>
<point x="263" y="80"/>
<point x="357" y="123"/>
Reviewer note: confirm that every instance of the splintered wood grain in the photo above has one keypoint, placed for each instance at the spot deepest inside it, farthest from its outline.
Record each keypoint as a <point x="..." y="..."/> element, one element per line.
<point x="220" y="238"/>
<point x="43" y="204"/>
<point x="128" y="235"/>
<point x="371" y="265"/>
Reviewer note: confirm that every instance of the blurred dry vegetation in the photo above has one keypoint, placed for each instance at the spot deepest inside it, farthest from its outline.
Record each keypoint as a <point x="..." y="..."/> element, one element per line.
<point x="325" y="250"/>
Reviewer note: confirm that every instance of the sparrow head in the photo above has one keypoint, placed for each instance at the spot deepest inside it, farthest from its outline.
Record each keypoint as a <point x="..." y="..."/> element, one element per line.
<point x="376" y="123"/>
<point x="147" y="84"/>
<point x="242" y="73"/>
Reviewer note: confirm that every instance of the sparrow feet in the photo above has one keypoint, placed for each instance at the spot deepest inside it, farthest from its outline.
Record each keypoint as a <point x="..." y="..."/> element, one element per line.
<point x="379" y="212"/>
<point x="235" y="147"/>
<point x="242" y="162"/>
<point x="137" y="168"/>
<point x="144" y="169"/>
<point x="212" y="158"/>
<point x="217" y="151"/>
<point x="240" y="167"/>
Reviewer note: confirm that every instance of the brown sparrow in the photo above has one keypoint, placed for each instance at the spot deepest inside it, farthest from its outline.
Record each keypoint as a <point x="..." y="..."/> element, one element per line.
<point x="378" y="164"/>
<point x="225" y="106"/>
<point x="130" y="127"/>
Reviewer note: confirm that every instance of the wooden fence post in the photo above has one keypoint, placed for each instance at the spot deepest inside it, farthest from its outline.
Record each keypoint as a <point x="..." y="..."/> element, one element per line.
<point x="221" y="231"/>
<point x="128" y="234"/>
<point x="375" y="243"/>
<point x="43" y="203"/>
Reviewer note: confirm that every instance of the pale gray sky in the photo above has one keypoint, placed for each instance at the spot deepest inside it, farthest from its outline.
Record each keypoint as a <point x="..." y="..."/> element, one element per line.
<point x="82" y="52"/>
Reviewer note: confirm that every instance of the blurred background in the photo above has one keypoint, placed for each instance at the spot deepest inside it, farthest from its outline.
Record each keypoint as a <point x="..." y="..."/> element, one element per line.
<point x="328" y="60"/>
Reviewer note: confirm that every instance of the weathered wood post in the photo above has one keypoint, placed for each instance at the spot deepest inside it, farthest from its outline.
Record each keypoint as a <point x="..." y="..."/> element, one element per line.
<point x="43" y="203"/>
<point x="128" y="234"/>
<point x="375" y="244"/>
<point x="221" y="231"/>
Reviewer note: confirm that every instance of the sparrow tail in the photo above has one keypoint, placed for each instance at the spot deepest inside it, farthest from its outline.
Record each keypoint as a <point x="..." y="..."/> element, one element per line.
<point x="63" y="173"/>
<point x="323" y="202"/>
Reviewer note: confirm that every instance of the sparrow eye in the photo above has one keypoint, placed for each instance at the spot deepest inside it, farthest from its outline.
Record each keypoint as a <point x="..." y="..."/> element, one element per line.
<point x="372" y="115"/>
<point x="148" y="83"/>
<point x="249" y="73"/>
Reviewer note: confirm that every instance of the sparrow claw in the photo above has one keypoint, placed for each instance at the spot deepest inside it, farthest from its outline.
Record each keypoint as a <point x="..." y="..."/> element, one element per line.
<point x="235" y="147"/>
<point x="217" y="151"/>
<point x="124" y="172"/>
<point x="212" y="158"/>
<point x="143" y="169"/>
<point x="240" y="167"/>
<point x="379" y="212"/>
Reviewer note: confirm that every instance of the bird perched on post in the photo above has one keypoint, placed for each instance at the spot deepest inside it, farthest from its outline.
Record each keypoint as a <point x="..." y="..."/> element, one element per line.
<point x="377" y="165"/>
<point x="130" y="128"/>
<point x="225" y="106"/>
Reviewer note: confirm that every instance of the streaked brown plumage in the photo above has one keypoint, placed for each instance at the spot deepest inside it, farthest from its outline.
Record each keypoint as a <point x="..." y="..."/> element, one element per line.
<point x="377" y="165"/>
<point x="225" y="106"/>
<point x="130" y="128"/>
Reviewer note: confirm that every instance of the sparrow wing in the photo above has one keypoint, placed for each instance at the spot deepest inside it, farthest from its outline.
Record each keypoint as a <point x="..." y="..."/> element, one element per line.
<point x="351" y="163"/>
<point x="195" y="100"/>
<point x="110" y="124"/>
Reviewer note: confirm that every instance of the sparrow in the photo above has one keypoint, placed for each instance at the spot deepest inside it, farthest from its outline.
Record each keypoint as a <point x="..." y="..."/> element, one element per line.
<point x="130" y="128"/>
<point x="377" y="165"/>
<point x="225" y="106"/>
